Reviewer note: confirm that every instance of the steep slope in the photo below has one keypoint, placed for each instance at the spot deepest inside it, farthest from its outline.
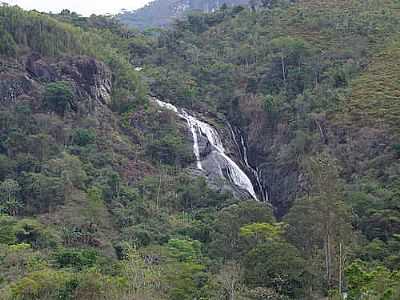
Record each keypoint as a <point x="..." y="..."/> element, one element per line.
<point x="161" y="13"/>
<point x="374" y="96"/>
<point x="233" y="63"/>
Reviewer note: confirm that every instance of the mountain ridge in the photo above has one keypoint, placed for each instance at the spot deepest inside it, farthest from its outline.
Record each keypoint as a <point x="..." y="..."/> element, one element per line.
<point x="161" y="13"/>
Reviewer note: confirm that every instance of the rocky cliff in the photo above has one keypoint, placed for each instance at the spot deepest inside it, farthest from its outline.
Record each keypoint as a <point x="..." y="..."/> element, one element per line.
<point x="22" y="79"/>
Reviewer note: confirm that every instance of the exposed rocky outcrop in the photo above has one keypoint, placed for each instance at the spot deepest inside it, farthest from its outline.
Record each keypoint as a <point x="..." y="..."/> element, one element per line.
<point x="90" y="79"/>
<point x="279" y="175"/>
<point x="39" y="69"/>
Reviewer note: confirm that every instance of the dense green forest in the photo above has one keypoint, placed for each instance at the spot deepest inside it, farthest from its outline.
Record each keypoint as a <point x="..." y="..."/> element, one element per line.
<point x="97" y="200"/>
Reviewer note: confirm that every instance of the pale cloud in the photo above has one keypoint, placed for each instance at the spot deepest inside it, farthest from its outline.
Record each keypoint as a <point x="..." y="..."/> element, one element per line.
<point x="82" y="7"/>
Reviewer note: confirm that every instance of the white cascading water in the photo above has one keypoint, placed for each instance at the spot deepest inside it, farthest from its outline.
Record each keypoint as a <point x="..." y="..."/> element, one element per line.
<point x="255" y="172"/>
<point x="234" y="172"/>
<point x="243" y="150"/>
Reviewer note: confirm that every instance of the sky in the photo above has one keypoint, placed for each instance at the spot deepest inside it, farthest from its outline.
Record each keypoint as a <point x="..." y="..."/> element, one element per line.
<point x="83" y="7"/>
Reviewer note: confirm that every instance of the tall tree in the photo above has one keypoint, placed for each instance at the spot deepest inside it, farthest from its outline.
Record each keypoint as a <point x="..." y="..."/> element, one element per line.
<point x="9" y="194"/>
<point x="320" y="222"/>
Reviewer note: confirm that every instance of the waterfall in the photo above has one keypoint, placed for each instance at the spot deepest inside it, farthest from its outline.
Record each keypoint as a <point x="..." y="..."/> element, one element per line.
<point x="254" y="171"/>
<point x="243" y="151"/>
<point x="227" y="167"/>
<point x="193" y="128"/>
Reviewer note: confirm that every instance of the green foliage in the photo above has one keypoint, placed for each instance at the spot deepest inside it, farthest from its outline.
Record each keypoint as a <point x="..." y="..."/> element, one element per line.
<point x="164" y="141"/>
<point x="186" y="281"/>
<point x="279" y="73"/>
<point x="226" y="240"/>
<point x="321" y="222"/>
<point x="7" y="234"/>
<point x="42" y="192"/>
<point x="141" y="277"/>
<point x="263" y="231"/>
<point x="276" y="265"/>
<point x="44" y="284"/>
<point x="129" y="92"/>
<point x="93" y="285"/>
<point x="58" y="97"/>
<point x="194" y="194"/>
<point x="83" y="137"/>
<point x="376" y="283"/>
<point x="27" y="231"/>
<point x="8" y="46"/>
<point x="37" y="31"/>
<point x="184" y="250"/>
<point x="373" y="94"/>
<point x="78" y="259"/>
<point x="69" y="169"/>
<point x="169" y="149"/>
<point x="32" y="232"/>
<point x="6" y="166"/>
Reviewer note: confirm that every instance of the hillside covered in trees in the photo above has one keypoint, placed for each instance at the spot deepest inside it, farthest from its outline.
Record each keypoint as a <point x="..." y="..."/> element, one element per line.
<point x="99" y="194"/>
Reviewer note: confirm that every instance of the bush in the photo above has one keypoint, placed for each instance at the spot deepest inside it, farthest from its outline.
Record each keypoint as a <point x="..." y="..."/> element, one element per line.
<point x="58" y="97"/>
<point x="170" y="149"/>
<point x="6" y="167"/>
<point x="272" y="260"/>
<point x="184" y="250"/>
<point x="44" y="284"/>
<point x="33" y="233"/>
<point x="83" y="137"/>
<point x="8" y="46"/>
<point x="41" y="192"/>
<point x="96" y="286"/>
<point x="7" y="234"/>
<point x="78" y="259"/>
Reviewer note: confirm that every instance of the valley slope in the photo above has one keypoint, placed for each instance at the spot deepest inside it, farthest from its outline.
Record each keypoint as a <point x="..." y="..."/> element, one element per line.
<point x="99" y="193"/>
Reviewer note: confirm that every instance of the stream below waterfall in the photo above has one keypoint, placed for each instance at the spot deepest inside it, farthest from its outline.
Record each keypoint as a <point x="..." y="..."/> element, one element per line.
<point x="218" y="158"/>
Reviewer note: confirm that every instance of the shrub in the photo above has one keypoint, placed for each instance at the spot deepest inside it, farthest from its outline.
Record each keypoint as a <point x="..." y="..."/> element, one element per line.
<point x="7" y="44"/>
<point x="44" y="284"/>
<point x="7" y="234"/>
<point x="169" y="149"/>
<point x="96" y="286"/>
<point x="6" y="166"/>
<point x="78" y="259"/>
<point x="58" y="97"/>
<point x="32" y="232"/>
<point x="83" y="137"/>
<point x="184" y="250"/>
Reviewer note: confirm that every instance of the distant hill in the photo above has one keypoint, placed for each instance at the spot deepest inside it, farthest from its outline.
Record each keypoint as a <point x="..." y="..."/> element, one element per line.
<point x="160" y="13"/>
